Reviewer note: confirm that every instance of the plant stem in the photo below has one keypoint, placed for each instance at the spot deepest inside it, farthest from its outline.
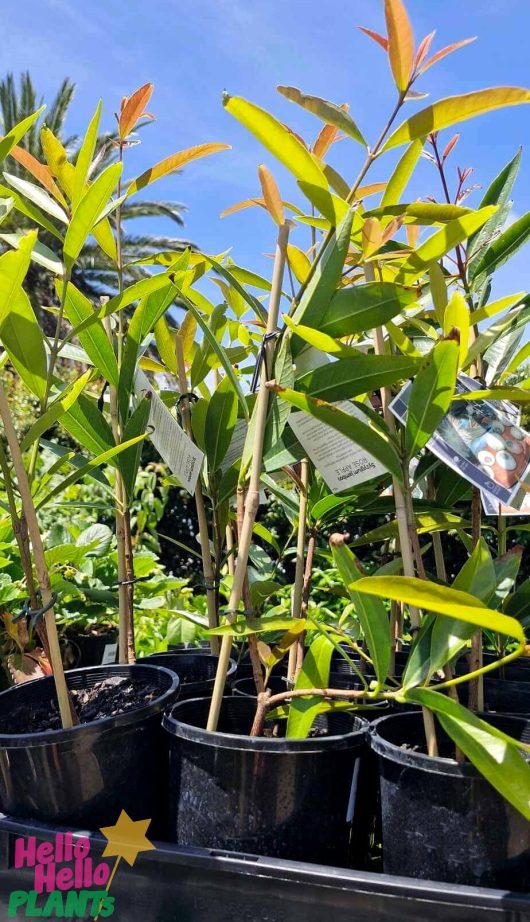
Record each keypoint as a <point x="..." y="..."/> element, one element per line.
<point x="298" y="587"/>
<point x="63" y="698"/>
<point x="252" y="640"/>
<point x="208" y="572"/>
<point x="252" y="501"/>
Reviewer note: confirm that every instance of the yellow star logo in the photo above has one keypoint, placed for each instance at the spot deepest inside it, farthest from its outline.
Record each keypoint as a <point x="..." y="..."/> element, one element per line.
<point x="127" y="838"/>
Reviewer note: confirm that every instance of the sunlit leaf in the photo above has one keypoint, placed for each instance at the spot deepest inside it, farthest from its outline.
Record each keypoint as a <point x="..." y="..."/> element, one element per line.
<point x="89" y="211"/>
<point x="400" y="43"/>
<point x="271" y="195"/>
<point x="133" y="108"/>
<point x="440" y="243"/>
<point x="430" y="395"/>
<point x="84" y="157"/>
<point x="326" y="111"/>
<point x="171" y="164"/>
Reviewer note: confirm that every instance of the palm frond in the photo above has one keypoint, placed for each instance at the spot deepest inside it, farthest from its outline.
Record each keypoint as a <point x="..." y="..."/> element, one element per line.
<point x="56" y="115"/>
<point x="147" y="209"/>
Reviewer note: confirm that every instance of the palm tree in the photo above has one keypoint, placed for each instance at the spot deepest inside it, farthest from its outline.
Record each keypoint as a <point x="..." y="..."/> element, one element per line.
<point x="94" y="272"/>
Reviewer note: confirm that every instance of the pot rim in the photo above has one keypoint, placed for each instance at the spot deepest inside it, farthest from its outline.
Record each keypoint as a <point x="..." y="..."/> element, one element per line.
<point x="102" y="724"/>
<point x="420" y="760"/>
<point x="218" y="740"/>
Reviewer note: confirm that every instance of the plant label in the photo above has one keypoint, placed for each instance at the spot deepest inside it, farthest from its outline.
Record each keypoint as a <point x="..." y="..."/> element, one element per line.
<point x="342" y="463"/>
<point x="109" y="654"/>
<point x="173" y="445"/>
<point x="482" y="441"/>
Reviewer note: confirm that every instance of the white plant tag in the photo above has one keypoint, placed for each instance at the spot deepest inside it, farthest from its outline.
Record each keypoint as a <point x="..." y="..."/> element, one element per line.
<point x="178" y="451"/>
<point x="340" y="461"/>
<point x="237" y="443"/>
<point x="109" y="654"/>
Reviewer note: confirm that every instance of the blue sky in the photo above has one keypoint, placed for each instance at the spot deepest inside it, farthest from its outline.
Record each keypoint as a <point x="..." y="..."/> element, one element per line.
<point x="192" y="51"/>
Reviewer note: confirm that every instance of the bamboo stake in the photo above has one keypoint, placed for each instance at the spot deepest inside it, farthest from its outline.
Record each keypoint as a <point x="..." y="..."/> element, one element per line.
<point x="406" y="526"/>
<point x="252" y="501"/>
<point x="298" y="588"/>
<point x="207" y="566"/>
<point x="67" y="716"/>
<point x="252" y="641"/>
<point x="119" y="497"/>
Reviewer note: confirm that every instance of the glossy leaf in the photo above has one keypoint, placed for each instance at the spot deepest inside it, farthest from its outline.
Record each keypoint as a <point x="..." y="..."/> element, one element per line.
<point x="347" y="378"/>
<point x="402" y="173"/>
<point x="171" y="164"/>
<point x="371" y="612"/>
<point x="440" y="243"/>
<point x="133" y="108"/>
<point x="496" y="307"/>
<point x="456" y="317"/>
<point x="88" y="426"/>
<point x="16" y="133"/>
<point x="93" y="339"/>
<point x="313" y="674"/>
<point x="426" y="523"/>
<point x="363" y="434"/>
<point x="277" y="139"/>
<point x="456" y="109"/>
<point x="493" y="753"/>
<point x="326" y="111"/>
<point x="40" y="254"/>
<point x="400" y="43"/>
<point x="38" y="196"/>
<point x="440" y="599"/>
<point x="219" y="425"/>
<point x="129" y="460"/>
<point x="23" y="341"/>
<point x="88" y="211"/>
<point x="449" y="49"/>
<point x="326" y="277"/>
<point x="55" y="410"/>
<point x="430" y="395"/>
<point x="39" y="171"/>
<point x="502" y="249"/>
<point x="271" y="195"/>
<point x="84" y="157"/>
<point x="498" y="193"/>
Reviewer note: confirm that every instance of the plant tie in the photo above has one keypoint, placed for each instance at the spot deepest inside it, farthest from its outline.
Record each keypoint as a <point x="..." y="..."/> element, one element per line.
<point x="209" y="584"/>
<point x="189" y="396"/>
<point x="262" y="358"/>
<point x="131" y="581"/>
<point x="35" y="614"/>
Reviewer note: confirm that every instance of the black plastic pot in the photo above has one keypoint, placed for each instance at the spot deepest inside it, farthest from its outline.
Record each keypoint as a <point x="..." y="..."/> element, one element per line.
<point x="516" y="671"/>
<point x="442" y="820"/>
<point x="175" y="884"/>
<point x="501" y="696"/>
<point x="196" y="673"/>
<point x="297" y="799"/>
<point x="92" y="649"/>
<point x="84" y="775"/>
<point x="247" y="687"/>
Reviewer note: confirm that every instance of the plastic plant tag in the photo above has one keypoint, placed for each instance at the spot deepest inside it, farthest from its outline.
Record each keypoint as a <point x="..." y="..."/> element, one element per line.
<point x="482" y="441"/>
<point x="178" y="451"/>
<point x="237" y="443"/>
<point x="109" y="654"/>
<point x="341" y="463"/>
<point x="492" y="506"/>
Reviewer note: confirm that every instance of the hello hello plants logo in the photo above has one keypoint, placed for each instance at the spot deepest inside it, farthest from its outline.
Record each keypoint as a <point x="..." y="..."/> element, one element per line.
<point x="68" y="882"/>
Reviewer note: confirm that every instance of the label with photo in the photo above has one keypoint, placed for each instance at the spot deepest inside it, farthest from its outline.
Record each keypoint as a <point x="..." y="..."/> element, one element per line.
<point x="483" y="441"/>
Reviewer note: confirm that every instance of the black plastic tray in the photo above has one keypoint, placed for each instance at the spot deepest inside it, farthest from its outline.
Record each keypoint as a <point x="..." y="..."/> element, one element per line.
<point x="196" y="885"/>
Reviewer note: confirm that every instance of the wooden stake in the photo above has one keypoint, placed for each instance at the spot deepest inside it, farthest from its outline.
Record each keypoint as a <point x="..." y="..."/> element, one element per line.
<point x="298" y="588"/>
<point x="63" y="698"/>
<point x="252" y="501"/>
<point x="207" y="566"/>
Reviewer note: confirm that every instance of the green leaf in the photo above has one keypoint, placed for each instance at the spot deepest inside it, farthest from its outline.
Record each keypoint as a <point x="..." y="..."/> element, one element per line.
<point x="40" y="254"/>
<point x="493" y="753"/>
<point x="326" y="278"/>
<point x="426" y="523"/>
<point x="326" y="111"/>
<point x="514" y="320"/>
<point x="371" y="612"/>
<point x="430" y="395"/>
<point x="129" y="461"/>
<point x="13" y="268"/>
<point x="38" y="196"/>
<point x="242" y="627"/>
<point x="99" y="537"/>
<point x="421" y="213"/>
<point x="313" y="674"/>
<point x="23" y="341"/>
<point x="87" y="469"/>
<point x="88" y="426"/>
<point x="172" y="163"/>
<point x="321" y="341"/>
<point x="455" y="109"/>
<point x="440" y="243"/>
<point x="220" y="422"/>
<point x="402" y="173"/>
<point x="331" y="207"/>
<point x="348" y="378"/>
<point x="30" y="211"/>
<point x="60" y="405"/>
<point x="84" y="157"/>
<point x="88" y="212"/>
<point x="277" y="139"/>
<point x="440" y="599"/>
<point x="93" y="339"/>
<point x="17" y="133"/>
<point x="502" y="249"/>
<point x="498" y="193"/>
<point x="363" y="434"/>
<point x="361" y="307"/>
<point x="219" y="351"/>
